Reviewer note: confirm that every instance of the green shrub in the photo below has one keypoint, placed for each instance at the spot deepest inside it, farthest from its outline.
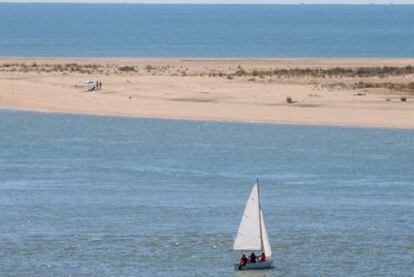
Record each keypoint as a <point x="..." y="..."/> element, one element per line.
<point x="127" y="68"/>
<point x="149" y="67"/>
<point x="240" y="72"/>
<point x="410" y="86"/>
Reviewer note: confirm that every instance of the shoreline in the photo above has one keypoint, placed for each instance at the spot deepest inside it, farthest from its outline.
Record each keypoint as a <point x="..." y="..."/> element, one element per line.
<point x="339" y="125"/>
<point x="357" y="92"/>
<point x="352" y="61"/>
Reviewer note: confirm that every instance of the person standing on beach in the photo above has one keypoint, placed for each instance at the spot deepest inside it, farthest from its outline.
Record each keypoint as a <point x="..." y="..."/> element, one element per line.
<point x="100" y="85"/>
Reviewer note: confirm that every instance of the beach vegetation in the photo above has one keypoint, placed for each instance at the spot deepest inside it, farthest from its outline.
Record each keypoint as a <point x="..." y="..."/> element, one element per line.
<point x="240" y="72"/>
<point x="403" y="99"/>
<point x="127" y="68"/>
<point x="149" y="68"/>
<point x="410" y="86"/>
<point x="56" y="67"/>
<point x="406" y="87"/>
<point x="72" y="67"/>
<point x="328" y="72"/>
<point x="387" y="85"/>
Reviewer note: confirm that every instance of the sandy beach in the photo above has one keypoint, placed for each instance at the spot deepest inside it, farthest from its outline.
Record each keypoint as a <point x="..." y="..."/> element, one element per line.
<point x="359" y="92"/>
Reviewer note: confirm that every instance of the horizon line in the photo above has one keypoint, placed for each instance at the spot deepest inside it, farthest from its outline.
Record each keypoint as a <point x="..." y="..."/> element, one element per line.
<point x="209" y="3"/>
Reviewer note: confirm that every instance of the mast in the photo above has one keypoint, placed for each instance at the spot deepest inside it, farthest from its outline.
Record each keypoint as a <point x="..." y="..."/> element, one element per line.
<point x="260" y="221"/>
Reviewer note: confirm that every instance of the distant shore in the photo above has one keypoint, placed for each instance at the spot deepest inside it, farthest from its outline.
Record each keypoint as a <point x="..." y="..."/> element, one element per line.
<point x="334" y="91"/>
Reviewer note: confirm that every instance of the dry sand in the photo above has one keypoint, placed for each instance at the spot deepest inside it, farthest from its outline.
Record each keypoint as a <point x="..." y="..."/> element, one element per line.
<point x="209" y="89"/>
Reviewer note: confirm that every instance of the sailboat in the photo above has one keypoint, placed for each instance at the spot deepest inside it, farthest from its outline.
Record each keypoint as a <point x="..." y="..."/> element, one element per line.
<point x="252" y="233"/>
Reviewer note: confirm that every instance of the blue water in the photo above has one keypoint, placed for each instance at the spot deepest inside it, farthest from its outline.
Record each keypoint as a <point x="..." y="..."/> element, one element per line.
<point x="206" y="30"/>
<point x="112" y="196"/>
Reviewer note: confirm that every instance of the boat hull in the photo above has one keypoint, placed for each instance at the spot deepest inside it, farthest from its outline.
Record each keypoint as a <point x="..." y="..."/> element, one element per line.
<point x="256" y="266"/>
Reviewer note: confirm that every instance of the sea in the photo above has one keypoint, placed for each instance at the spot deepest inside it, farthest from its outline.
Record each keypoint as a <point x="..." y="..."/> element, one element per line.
<point x="145" y="30"/>
<point x="84" y="195"/>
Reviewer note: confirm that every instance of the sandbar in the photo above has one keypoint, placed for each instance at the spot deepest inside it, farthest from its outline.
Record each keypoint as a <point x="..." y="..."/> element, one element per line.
<point x="331" y="91"/>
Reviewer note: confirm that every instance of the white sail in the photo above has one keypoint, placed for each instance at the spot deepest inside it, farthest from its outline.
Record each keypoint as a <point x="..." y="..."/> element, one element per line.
<point x="266" y="243"/>
<point x="249" y="234"/>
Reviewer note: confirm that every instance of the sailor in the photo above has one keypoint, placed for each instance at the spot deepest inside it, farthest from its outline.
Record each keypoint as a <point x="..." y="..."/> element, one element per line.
<point x="253" y="258"/>
<point x="243" y="261"/>
<point x="262" y="258"/>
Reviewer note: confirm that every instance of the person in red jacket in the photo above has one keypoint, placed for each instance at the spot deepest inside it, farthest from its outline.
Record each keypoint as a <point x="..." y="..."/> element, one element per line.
<point x="243" y="261"/>
<point x="262" y="258"/>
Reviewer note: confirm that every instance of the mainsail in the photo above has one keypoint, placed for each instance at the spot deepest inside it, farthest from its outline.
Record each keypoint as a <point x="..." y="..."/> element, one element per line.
<point x="248" y="236"/>
<point x="252" y="234"/>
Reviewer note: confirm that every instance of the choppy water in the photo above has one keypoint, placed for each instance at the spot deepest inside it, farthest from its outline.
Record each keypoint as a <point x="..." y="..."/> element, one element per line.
<point x="206" y="30"/>
<point x="112" y="196"/>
